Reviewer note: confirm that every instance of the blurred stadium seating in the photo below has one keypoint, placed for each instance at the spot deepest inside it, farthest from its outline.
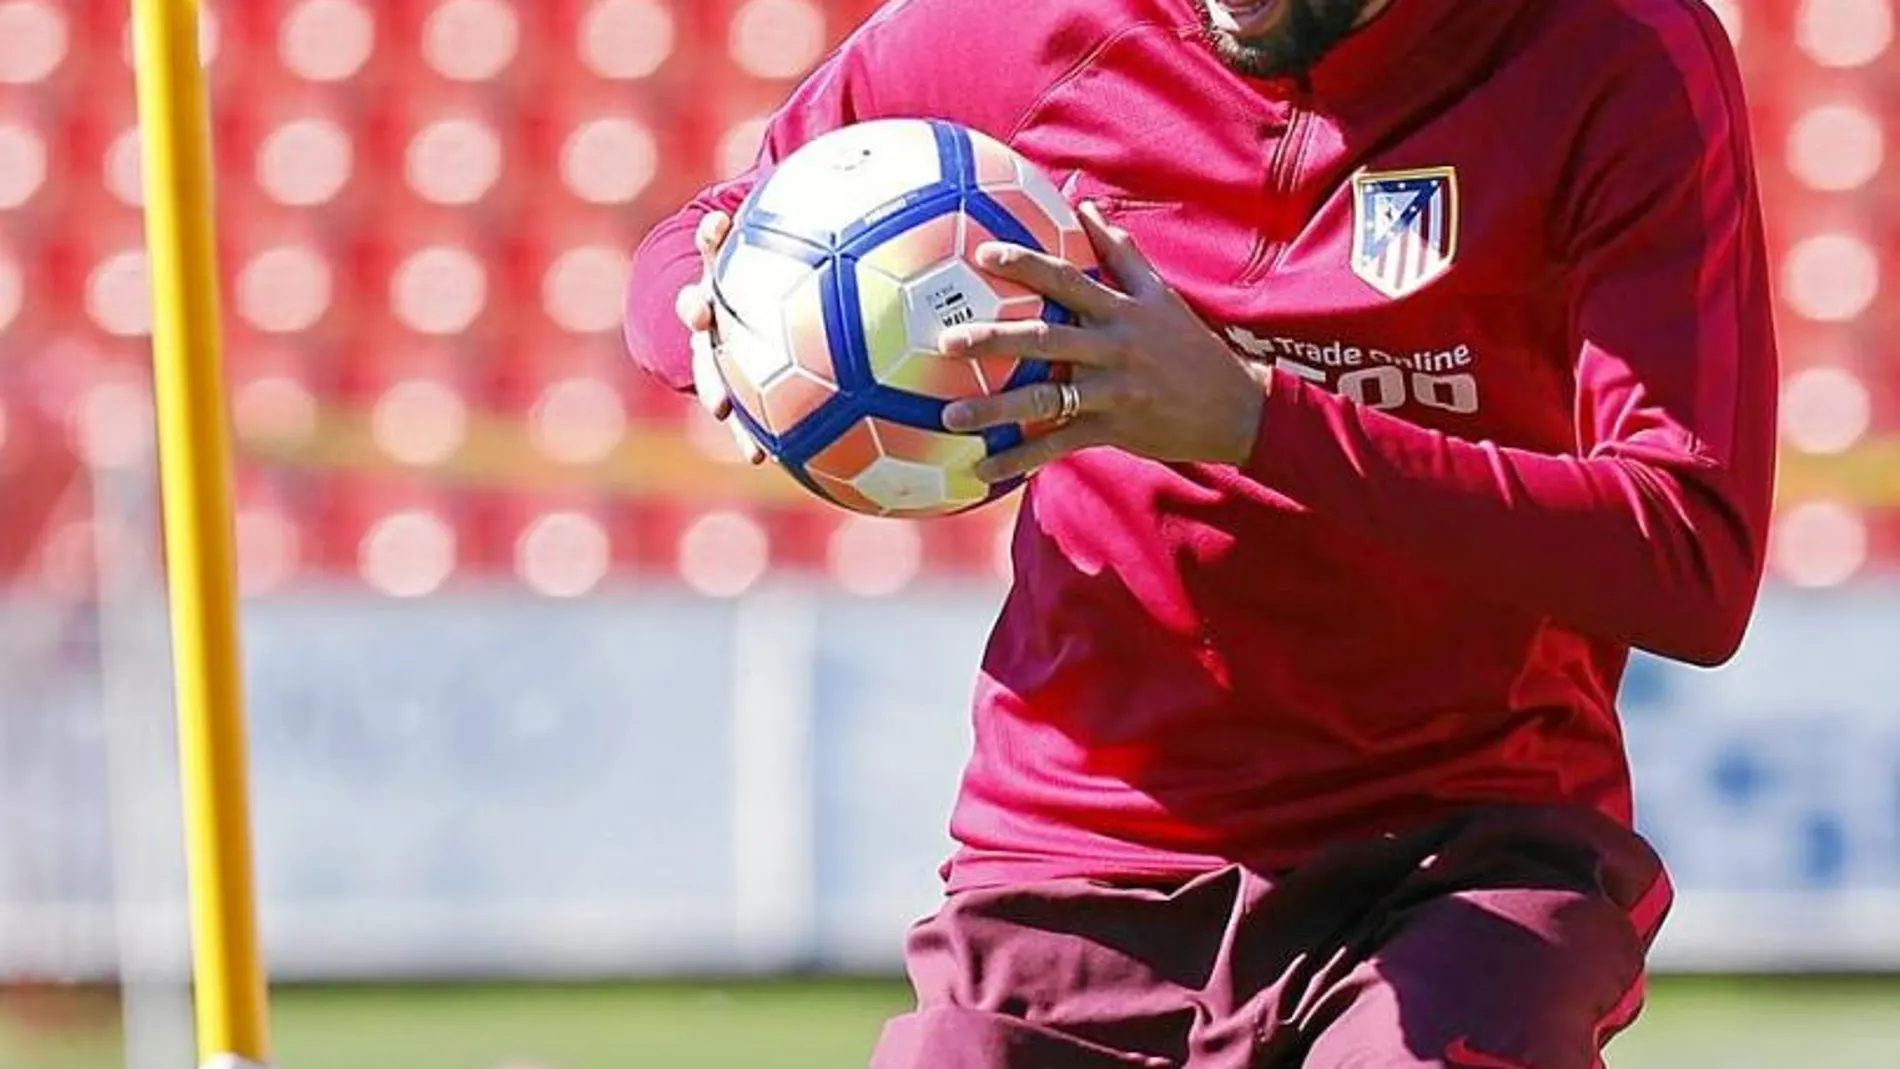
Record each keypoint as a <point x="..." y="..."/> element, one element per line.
<point x="427" y="209"/>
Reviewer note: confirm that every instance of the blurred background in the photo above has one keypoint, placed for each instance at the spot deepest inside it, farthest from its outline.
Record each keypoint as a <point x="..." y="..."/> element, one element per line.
<point x="575" y="743"/>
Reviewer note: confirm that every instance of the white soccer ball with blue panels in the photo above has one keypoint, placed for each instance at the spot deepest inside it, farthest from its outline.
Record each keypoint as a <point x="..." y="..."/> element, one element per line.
<point x="843" y="267"/>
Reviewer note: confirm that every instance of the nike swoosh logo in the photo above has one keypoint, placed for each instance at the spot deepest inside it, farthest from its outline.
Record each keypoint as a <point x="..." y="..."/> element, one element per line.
<point x="1461" y="1056"/>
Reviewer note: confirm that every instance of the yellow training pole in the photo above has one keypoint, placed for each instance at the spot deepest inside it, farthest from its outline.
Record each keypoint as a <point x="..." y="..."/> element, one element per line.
<point x="194" y="456"/>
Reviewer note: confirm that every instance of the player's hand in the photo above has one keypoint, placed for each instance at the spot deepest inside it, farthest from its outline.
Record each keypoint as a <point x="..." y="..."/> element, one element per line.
<point x="1149" y="377"/>
<point x="695" y="309"/>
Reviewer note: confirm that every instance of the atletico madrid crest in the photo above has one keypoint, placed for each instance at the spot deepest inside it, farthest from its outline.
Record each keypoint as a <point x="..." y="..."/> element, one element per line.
<point x="1405" y="228"/>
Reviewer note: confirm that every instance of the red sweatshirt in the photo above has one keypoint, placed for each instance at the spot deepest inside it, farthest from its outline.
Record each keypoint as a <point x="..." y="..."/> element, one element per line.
<point x="1507" y="260"/>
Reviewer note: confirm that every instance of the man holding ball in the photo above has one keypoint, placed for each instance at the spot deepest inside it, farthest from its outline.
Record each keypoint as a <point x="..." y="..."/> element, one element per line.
<point x="1431" y="373"/>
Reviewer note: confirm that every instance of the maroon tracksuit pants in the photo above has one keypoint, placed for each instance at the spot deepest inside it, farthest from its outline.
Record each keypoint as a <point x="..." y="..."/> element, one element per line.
<point x="1509" y="938"/>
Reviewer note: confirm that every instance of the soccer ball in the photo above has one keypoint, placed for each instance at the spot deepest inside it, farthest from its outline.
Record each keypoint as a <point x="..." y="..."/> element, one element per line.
<point x="842" y="269"/>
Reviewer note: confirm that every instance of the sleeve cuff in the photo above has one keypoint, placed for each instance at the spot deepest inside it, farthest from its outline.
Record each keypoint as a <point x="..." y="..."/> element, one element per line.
<point x="655" y="337"/>
<point x="1288" y="421"/>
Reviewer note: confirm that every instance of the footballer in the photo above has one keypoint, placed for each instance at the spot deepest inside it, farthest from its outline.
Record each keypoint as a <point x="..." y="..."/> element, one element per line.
<point x="1430" y="373"/>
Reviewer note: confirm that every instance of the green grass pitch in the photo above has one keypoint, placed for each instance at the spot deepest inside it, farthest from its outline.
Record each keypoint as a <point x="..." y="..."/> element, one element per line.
<point x="1691" y="1024"/>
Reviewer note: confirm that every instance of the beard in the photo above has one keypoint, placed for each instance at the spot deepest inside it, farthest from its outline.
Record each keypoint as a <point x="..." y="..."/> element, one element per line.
<point x="1291" y="49"/>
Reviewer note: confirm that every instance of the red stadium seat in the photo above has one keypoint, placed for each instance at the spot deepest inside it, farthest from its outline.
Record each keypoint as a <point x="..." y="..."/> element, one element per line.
<point x="397" y="536"/>
<point x="872" y="557"/>
<point x="765" y="46"/>
<point x="274" y="541"/>
<point x="733" y="121"/>
<point x="566" y="267"/>
<point x="1883" y="550"/>
<point x="1824" y="543"/>
<point x="776" y="41"/>
<point x="343" y="46"/>
<point x="652" y="47"/>
<point x="95" y="273"/>
<point x="445" y="144"/>
<point x="109" y="417"/>
<point x="409" y="392"/>
<point x="495" y="44"/>
<point x="592" y="143"/>
<point x="556" y="543"/>
<point x="720" y="551"/>
<point x="275" y="386"/>
<point x="282" y="274"/>
<point x="571" y="392"/>
<point x="298" y="146"/>
<point x="1826" y="260"/>
<point x="33" y="161"/>
<point x="800" y="533"/>
<point x="101" y="136"/>
<point x="974" y="545"/>
<point x="653" y="401"/>
<point x="426" y="269"/>
<point x="44" y="50"/>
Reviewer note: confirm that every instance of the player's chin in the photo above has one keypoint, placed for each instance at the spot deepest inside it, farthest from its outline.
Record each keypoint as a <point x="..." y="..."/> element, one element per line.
<point x="1266" y="54"/>
<point x="1249" y="58"/>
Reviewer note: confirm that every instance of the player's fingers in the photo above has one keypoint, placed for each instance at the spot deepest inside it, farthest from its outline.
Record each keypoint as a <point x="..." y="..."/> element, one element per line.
<point x="1027" y="338"/>
<point x="1043" y="402"/>
<point x="749" y="448"/>
<point x="711" y="234"/>
<point x="1054" y="278"/>
<point x="1119" y="252"/>
<point x="1038" y="453"/>
<point x="707" y="385"/>
<point x="694" y="307"/>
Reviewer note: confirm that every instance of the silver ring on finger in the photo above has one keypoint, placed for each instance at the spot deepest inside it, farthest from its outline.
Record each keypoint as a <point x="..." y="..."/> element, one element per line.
<point x="1068" y="402"/>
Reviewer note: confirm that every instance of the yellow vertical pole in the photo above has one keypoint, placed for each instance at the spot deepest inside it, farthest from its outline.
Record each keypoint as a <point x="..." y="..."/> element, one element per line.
<point x="195" y="486"/>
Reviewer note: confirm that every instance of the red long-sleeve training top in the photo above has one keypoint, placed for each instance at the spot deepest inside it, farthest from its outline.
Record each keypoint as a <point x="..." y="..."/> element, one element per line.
<point x="1507" y="260"/>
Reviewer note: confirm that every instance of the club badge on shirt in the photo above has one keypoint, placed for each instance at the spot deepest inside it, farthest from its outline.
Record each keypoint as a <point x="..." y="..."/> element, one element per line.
<point x="1405" y="228"/>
